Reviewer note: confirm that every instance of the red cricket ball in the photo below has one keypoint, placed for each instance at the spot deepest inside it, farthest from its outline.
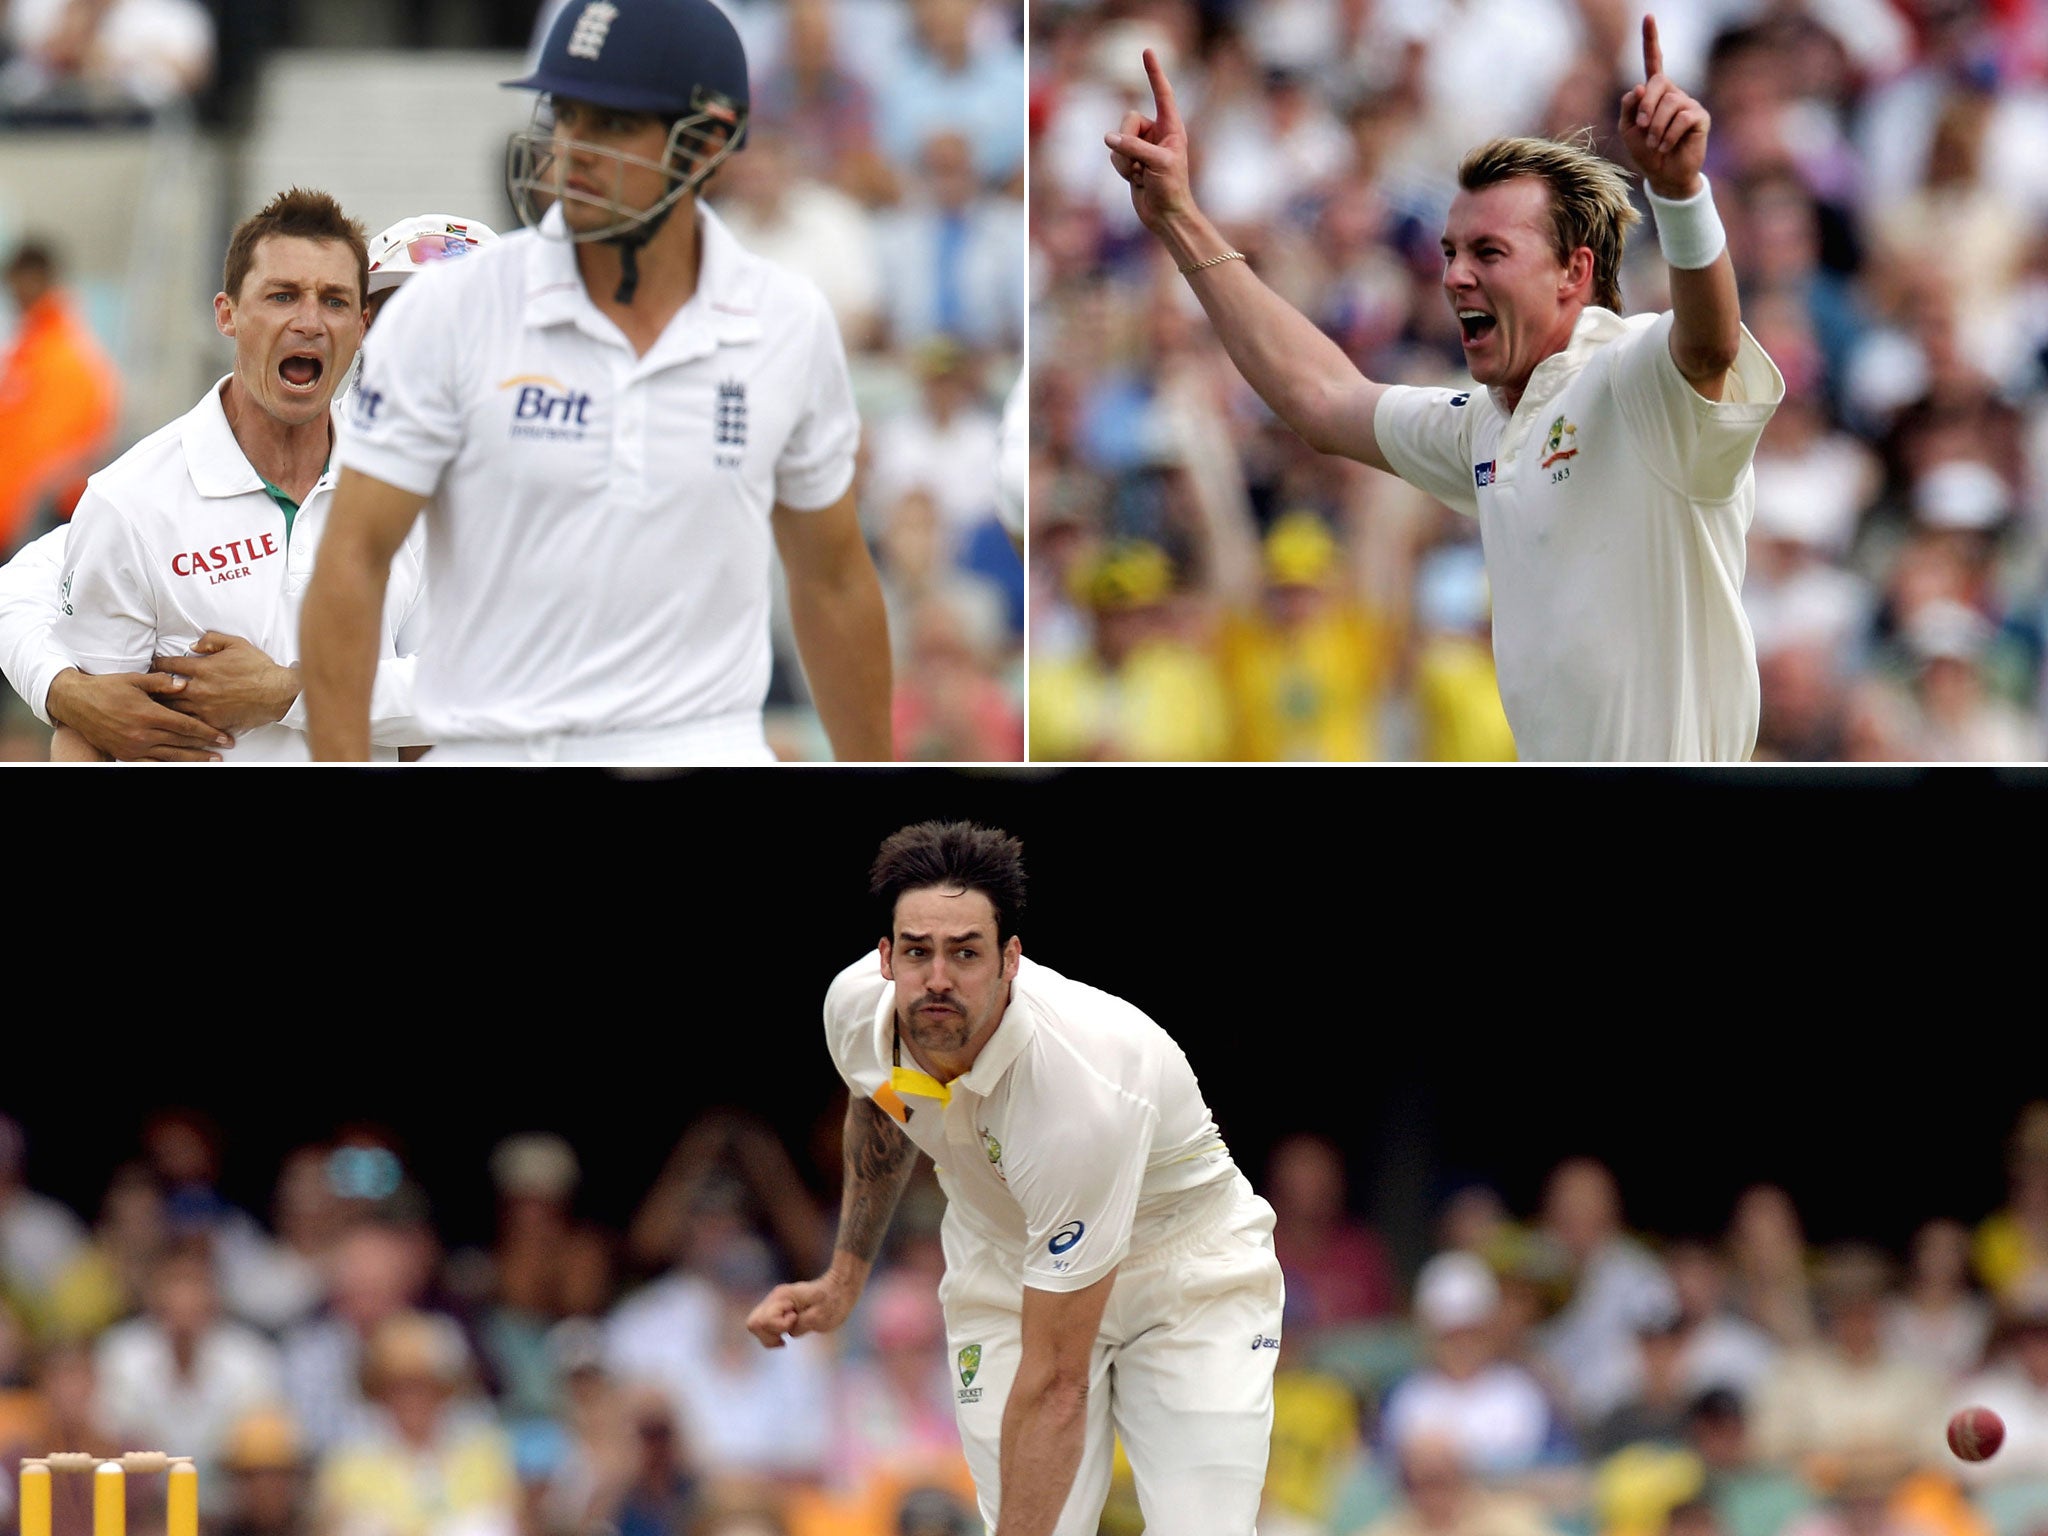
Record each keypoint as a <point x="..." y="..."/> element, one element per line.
<point x="1974" y="1433"/>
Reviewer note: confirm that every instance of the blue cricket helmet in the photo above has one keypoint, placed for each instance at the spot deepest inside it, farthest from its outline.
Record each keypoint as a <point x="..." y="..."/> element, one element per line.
<point x="673" y="58"/>
<point x="678" y="60"/>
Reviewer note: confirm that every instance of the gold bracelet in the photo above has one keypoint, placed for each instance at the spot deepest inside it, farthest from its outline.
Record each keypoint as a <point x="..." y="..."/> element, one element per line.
<point x="1214" y="261"/>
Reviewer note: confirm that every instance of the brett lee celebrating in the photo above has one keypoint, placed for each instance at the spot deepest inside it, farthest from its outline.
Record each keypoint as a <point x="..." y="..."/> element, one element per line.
<point x="1608" y="459"/>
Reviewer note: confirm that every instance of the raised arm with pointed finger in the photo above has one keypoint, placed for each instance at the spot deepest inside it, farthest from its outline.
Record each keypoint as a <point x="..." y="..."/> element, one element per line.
<point x="1606" y="456"/>
<point x="1665" y="133"/>
<point x="1297" y="370"/>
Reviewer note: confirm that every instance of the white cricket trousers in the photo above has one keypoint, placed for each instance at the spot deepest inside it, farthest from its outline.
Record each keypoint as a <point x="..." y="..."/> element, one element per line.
<point x="1182" y="1369"/>
<point x="737" y="738"/>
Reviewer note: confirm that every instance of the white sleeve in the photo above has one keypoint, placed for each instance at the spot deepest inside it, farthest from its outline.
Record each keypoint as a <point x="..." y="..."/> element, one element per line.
<point x="850" y="1004"/>
<point x="394" y="721"/>
<point x="107" y="619"/>
<point x="1706" y="444"/>
<point x="1426" y="435"/>
<point x="1078" y="1186"/>
<point x="816" y="464"/>
<point x="28" y="608"/>
<point x="405" y="414"/>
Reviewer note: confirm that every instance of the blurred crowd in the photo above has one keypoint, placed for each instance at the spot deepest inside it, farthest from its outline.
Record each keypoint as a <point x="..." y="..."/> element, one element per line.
<point x="339" y="1365"/>
<point x="79" y="61"/>
<point x="1564" y="1375"/>
<point x="885" y="161"/>
<point x="1204" y="586"/>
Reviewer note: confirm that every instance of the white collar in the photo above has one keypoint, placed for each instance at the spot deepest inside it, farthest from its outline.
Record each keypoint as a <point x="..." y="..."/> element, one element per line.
<point x="215" y="459"/>
<point x="725" y="309"/>
<point x="1594" y="328"/>
<point x="1019" y="1023"/>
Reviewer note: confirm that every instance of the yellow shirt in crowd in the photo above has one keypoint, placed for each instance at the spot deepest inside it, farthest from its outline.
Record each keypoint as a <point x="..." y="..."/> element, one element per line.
<point x="465" y="1486"/>
<point x="1165" y="704"/>
<point x="1308" y="692"/>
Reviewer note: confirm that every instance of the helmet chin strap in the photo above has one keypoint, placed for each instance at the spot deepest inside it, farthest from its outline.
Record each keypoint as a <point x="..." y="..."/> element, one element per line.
<point x="629" y="255"/>
<point x="629" y="245"/>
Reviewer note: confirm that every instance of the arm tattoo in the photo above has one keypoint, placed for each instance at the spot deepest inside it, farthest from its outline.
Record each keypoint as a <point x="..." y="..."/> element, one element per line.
<point x="879" y="1160"/>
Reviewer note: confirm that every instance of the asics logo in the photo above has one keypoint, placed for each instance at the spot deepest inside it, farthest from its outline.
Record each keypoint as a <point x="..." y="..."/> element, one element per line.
<point x="1067" y="1236"/>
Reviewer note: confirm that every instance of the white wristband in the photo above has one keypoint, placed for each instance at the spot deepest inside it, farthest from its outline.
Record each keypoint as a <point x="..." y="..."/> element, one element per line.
<point x="1689" y="231"/>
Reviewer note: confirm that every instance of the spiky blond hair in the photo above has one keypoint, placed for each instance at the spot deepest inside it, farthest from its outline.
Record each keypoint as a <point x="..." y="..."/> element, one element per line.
<point x="1589" y="203"/>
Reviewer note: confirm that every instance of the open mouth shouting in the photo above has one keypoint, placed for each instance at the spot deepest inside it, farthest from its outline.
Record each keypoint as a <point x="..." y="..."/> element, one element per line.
<point x="301" y="372"/>
<point x="1477" y="325"/>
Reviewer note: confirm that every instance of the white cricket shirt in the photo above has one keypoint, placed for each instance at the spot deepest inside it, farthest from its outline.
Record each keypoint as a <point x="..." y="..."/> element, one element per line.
<point x="599" y="538"/>
<point x="1613" y="506"/>
<point x="1073" y="1141"/>
<point x="28" y="607"/>
<point x="178" y="536"/>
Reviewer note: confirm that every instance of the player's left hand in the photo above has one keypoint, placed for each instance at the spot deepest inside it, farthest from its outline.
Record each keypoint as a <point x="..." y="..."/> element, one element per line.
<point x="230" y="683"/>
<point x="799" y="1307"/>
<point x="1663" y="129"/>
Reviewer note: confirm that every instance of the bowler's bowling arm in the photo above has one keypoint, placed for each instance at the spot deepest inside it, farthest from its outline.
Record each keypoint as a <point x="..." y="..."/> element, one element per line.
<point x="343" y="616"/>
<point x="878" y="1161"/>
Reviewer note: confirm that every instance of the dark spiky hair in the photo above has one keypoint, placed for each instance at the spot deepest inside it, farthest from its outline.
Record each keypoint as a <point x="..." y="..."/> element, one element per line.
<point x="951" y="856"/>
<point x="305" y="215"/>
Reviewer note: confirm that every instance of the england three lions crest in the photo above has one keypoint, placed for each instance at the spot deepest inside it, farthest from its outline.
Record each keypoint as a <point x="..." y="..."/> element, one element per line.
<point x="729" y="425"/>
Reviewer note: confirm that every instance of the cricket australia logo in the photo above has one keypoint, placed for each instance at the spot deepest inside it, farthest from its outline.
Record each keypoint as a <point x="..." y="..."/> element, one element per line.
<point x="731" y="424"/>
<point x="970" y="1366"/>
<point x="1562" y="444"/>
<point x="592" y="27"/>
<point x="994" y="1149"/>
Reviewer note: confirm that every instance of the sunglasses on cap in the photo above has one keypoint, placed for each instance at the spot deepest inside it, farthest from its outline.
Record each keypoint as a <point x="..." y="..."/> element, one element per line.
<point x="425" y="248"/>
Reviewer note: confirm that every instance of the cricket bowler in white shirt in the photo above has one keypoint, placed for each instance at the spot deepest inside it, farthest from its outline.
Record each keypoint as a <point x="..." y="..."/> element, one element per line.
<point x="1109" y="1271"/>
<point x="189" y="707"/>
<point x="188" y="537"/>
<point x="1608" y="460"/>
<point x="614" y="422"/>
